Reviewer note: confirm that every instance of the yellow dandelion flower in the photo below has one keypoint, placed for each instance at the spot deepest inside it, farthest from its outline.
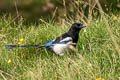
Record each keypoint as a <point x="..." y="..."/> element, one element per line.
<point x="9" y="61"/>
<point x="115" y="18"/>
<point x="19" y="43"/>
<point x="21" y="40"/>
<point x="99" y="79"/>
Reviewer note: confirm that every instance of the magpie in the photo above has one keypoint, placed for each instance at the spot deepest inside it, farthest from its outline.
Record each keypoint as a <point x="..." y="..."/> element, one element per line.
<point x="59" y="44"/>
<point x="66" y="40"/>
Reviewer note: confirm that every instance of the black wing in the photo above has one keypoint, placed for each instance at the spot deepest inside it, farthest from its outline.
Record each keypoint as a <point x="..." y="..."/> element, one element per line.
<point x="58" y="39"/>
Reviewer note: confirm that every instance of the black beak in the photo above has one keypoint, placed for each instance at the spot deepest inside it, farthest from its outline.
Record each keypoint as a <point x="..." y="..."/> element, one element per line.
<point x="83" y="26"/>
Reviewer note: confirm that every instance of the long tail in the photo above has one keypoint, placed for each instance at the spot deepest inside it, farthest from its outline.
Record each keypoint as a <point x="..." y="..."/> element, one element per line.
<point x="24" y="46"/>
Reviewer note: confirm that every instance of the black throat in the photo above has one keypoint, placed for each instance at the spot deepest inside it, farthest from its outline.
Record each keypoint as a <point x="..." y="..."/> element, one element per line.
<point x="74" y="33"/>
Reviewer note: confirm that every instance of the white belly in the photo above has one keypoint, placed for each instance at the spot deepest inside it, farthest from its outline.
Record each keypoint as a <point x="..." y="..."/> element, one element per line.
<point x="60" y="49"/>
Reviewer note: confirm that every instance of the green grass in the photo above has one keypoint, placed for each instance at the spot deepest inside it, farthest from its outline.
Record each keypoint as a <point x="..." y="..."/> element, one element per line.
<point x="97" y="56"/>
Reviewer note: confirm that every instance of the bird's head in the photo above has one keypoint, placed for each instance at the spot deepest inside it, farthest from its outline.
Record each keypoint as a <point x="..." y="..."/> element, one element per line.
<point x="78" y="26"/>
<point x="75" y="28"/>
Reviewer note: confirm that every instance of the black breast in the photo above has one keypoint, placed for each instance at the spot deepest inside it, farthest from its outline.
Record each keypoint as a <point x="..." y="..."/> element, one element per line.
<point x="75" y="38"/>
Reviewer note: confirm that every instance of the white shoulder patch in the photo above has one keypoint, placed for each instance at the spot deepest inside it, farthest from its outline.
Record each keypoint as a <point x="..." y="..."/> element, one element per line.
<point x="66" y="39"/>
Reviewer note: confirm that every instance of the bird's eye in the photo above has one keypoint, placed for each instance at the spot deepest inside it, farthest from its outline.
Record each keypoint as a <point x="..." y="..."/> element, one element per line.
<point x="78" y="24"/>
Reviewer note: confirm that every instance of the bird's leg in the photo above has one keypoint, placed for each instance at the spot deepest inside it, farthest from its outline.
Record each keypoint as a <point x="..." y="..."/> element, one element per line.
<point x="71" y="46"/>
